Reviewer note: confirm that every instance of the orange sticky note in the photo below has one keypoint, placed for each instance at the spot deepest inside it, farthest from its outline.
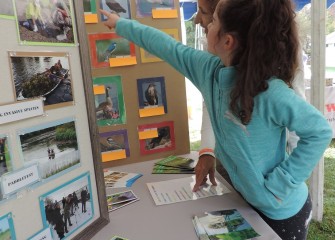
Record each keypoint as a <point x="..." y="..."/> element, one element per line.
<point x="148" y="133"/>
<point x="147" y="112"/>
<point x="91" y="18"/>
<point x="122" y="61"/>
<point x="99" y="90"/>
<point x="164" y="13"/>
<point x="114" y="155"/>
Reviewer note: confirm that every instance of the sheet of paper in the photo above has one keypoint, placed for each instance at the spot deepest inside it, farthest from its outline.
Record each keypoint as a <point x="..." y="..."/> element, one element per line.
<point x="180" y="190"/>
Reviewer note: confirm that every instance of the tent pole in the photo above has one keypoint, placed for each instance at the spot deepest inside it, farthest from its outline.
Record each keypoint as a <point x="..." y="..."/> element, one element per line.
<point x="317" y="95"/>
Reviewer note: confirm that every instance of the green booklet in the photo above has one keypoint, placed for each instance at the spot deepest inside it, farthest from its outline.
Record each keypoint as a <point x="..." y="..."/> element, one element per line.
<point x="223" y="224"/>
<point x="165" y="169"/>
<point x="177" y="162"/>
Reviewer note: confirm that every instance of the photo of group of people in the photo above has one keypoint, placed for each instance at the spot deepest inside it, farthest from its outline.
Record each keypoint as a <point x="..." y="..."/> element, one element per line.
<point x="47" y="22"/>
<point x="67" y="207"/>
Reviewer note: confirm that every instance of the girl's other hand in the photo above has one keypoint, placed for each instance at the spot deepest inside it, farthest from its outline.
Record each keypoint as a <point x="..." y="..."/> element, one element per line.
<point x="204" y="167"/>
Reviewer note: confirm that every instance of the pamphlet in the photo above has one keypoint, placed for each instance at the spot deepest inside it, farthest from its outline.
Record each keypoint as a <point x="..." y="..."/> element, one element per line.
<point x="179" y="190"/>
<point x="115" y="179"/>
<point x="174" y="164"/>
<point x="120" y="199"/>
<point x="223" y="224"/>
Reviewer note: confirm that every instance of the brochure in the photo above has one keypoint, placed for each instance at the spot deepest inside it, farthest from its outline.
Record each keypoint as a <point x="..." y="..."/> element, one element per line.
<point x="120" y="199"/>
<point x="223" y="224"/>
<point x="115" y="179"/>
<point x="179" y="190"/>
<point x="174" y="164"/>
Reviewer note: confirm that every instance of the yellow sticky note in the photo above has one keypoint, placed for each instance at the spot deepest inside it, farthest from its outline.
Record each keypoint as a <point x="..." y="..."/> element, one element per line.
<point x="99" y="90"/>
<point x="147" y="112"/>
<point x="91" y="18"/>
<point x="114" y="155"/>
<point x="164" y="13"/>
<point x="148" y="133"/>
<point x="122" y="61"/>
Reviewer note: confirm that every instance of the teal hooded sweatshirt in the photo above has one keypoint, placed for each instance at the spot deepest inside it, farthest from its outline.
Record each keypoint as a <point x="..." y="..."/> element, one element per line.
<point x="254" y="154"/>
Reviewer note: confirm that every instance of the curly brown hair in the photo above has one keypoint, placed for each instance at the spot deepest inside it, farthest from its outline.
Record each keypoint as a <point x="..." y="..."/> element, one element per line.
<point x="268" y="46"/>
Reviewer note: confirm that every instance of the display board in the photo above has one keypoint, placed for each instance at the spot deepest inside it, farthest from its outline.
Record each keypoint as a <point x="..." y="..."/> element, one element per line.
<point x="50" y="163"/>
<point x="140" y="101"/>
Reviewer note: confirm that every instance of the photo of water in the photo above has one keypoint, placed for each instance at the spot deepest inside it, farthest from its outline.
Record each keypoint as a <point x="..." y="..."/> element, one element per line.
<point x="54" y="148"/>
<point x="42" y="76"/>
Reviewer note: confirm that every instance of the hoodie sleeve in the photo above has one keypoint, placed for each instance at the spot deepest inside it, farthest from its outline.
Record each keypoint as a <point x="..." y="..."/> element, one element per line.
<point x="310" y="126"/>
<point x="194" y="64"/>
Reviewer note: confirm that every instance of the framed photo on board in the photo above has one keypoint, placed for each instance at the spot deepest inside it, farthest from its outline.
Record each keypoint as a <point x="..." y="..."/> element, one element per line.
<point x="7" y="227"/>
<point x="114" y="145"/>
<point x="120" y="7"/>
<point x="5" y="155"/>
<point x="45" y="22"/>
<point x="53" y="146"/>
<point x="42" y="74"/>
<point x="151" y="96"/>
<point x="7" y="9"/>
<point x="147" y="57"/>
<point x="71" y="202"/>
<point x="156" y="137"/>
<point x="89" y="6"/>
<point x="144" y="8"/>
<point x="106" y="46"/>
<point x="109" y="102"/>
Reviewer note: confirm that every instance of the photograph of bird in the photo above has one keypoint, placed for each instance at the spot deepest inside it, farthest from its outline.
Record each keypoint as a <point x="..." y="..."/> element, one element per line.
<point x="106" y="107"/>
<point x="110" y="49"/>
<point x="151" y="95"/>
<point x="115" y="7"/>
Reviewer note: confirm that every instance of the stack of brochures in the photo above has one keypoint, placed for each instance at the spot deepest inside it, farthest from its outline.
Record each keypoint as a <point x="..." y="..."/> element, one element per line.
<point x="223" y="224"/>
<point x="120" y="199"/>
<point x="115" y="179"/>
<point x="174" y="164"/>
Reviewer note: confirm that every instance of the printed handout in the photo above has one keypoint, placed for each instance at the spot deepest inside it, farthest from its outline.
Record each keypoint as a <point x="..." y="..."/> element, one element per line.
<point x="180" y="190"/>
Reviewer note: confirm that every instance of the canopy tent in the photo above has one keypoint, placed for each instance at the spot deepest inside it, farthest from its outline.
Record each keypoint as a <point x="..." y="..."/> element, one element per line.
<point x="190" y="6"/>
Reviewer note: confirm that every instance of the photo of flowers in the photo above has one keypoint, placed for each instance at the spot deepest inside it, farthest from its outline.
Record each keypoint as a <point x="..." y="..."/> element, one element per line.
<point x="104" y="46"/>
<point x="120" y="7"/>
<point x="151" y="96"/>
<point x="68" y="207"/>
<point x="164" y="140"/>
<point x="109" y="101"/>
<point x="7" y="227"/>
<point x="7" y="9"/>
<point x="5" y="155"/>
<point x="114" y="145"/>
<point x="45" y="22"/>
<point x="42" y="74"/>
<point x="53" y="146"/>
<point x="145" y="7"/>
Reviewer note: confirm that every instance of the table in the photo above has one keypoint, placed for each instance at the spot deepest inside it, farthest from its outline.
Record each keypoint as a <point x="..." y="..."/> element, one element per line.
<point x="143" y="220"/>
<point x="329" y="105"/>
